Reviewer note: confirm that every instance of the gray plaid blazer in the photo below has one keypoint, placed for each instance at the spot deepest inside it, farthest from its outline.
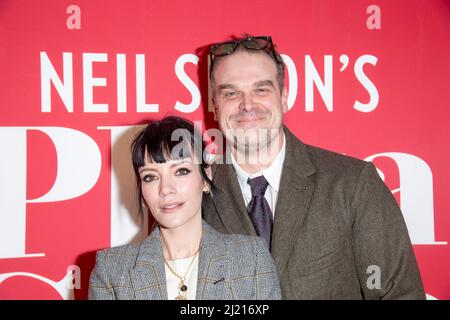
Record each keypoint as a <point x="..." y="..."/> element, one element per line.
<point x="230" y="267"/>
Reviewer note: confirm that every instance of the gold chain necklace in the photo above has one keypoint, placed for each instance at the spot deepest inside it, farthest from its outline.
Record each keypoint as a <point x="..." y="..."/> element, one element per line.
<point x="182" y="287"/>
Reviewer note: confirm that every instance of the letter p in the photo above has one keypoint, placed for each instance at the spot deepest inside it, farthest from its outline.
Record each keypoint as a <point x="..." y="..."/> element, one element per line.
<point x="78" y="169"/>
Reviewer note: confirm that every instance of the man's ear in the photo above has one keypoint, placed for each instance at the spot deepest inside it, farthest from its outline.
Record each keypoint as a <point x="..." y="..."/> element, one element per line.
<point x="213" y="101"/>
<point x="284" y="100"/>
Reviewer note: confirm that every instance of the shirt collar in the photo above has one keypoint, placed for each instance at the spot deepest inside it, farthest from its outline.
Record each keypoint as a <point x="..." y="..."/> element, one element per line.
<point x="271" y="173"/>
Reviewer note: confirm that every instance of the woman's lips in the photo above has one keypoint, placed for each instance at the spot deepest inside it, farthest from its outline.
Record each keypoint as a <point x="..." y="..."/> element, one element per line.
<point x="169" y="208"/>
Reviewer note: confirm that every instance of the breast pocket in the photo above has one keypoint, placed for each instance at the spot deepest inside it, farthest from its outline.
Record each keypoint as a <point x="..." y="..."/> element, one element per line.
<point x="244" y="288"/>
<point x="329" y="276"/>
<point x="322" y="262"/>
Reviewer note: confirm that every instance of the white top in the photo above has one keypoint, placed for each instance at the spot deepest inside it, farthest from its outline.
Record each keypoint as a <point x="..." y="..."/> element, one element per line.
<point x="180" y="266"/>
<point x="271" y="173"/>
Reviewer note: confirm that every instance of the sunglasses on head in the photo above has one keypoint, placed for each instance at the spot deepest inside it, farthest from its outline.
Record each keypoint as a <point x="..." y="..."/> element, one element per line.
<point x="252" y="43"/>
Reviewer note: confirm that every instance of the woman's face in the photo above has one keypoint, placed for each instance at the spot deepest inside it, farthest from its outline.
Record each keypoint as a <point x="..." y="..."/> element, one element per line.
<point x="173" y="191"/>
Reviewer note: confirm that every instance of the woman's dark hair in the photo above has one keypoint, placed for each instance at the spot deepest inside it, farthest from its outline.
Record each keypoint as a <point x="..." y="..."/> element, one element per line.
<point x="171" y="138"/>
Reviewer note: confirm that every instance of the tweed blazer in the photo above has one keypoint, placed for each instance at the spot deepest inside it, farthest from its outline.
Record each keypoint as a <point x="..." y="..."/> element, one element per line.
<point x="338" y="233"/>
<point x="230" y="267"/>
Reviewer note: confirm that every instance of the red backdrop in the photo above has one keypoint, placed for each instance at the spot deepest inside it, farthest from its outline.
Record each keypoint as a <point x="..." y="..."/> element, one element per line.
<point x="366" y="78"/>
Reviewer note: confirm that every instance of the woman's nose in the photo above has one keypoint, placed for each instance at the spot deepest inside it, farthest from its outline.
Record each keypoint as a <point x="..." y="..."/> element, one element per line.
<point x="166" y="188"/>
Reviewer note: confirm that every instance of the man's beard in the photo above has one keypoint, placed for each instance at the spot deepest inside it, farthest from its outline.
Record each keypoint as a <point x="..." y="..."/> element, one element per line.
<point x="252" y="145"/>
<point x="250" y="139"/>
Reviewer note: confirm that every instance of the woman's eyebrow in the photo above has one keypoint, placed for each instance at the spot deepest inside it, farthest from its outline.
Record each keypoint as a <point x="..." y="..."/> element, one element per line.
<point x="180" y="162"/>
<point x="143" y="169"/>
<point x="174" y="164"/>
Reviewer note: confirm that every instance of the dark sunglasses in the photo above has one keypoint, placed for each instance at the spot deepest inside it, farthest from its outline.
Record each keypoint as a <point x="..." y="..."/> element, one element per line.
<point x="252" y="43"/>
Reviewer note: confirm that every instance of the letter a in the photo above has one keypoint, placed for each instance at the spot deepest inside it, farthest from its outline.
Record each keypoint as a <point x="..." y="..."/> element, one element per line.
<point x="374" y="20"/>
<point x="74" y="20"/>
<point x="374" y="280"/>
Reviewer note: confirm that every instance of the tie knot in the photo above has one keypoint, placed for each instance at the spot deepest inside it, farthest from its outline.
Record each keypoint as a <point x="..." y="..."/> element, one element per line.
<point x="258" y="185"/>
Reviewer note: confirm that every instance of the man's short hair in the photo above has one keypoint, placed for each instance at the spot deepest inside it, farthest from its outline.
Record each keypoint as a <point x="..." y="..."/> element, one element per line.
<point x="271" y="52"/>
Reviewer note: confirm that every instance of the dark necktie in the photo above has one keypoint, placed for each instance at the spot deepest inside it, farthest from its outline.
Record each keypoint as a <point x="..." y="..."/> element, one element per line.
<point x="259" y="209"/>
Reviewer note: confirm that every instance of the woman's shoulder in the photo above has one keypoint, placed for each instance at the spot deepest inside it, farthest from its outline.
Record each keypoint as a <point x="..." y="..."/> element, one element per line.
<point x="119" y="254"/>
<point x="246" y="243"/>
<point x="236" y="241"/>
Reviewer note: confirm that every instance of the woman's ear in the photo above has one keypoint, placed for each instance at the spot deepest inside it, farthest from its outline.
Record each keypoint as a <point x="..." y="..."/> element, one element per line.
<point x="209" y="172"/>
<point x="209" y="175"/>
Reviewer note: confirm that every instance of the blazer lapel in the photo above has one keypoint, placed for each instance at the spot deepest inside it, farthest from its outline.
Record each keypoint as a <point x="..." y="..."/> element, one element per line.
<point x="230" y="196"/>
<point x="296" y="189"/>
<point x="148" y="275"/>
<point x="214" y="267"/>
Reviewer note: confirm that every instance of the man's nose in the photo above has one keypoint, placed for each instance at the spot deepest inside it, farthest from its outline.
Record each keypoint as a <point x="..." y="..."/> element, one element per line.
<point x="246" y="102"/>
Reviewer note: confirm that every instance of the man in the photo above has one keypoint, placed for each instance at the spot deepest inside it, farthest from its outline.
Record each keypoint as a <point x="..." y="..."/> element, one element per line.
<point x="333" y="227"/>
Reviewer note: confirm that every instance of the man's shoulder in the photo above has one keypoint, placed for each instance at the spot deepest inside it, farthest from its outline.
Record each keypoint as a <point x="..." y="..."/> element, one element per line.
<point x="301" y="156"/>
<point x="328" y="159"/>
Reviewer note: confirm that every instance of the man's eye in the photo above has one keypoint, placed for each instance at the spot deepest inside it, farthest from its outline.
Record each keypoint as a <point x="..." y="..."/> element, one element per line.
<point x="229" y="94"/>
<point x="182" y="172"/>
<point x="262" y="90"/>
<point x="148" y="178"/>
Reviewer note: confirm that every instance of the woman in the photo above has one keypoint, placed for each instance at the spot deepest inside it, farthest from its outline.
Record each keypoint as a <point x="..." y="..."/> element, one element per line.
<point x="183" y="258"/>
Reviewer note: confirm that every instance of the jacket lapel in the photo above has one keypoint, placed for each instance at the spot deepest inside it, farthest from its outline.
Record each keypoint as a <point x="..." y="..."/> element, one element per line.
<point x="236" y="221"/>
<point x="214" y="266"/>
<point x="296" y="189"/>
<point x="148" y="275"/>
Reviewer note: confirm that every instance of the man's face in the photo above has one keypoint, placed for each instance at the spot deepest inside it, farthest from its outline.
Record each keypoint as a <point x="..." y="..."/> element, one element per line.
<point x="247" y="100"/>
